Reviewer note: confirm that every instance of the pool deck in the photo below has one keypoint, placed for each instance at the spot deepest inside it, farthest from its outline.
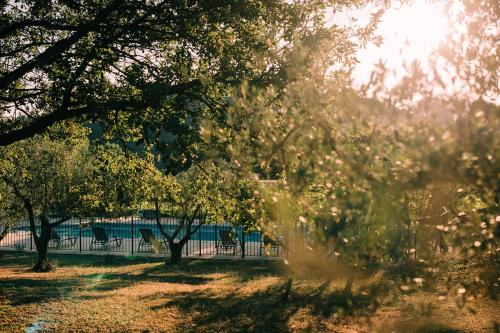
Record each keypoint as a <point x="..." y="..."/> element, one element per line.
<point x="150" y="254"/>
<point x="204" y="249"/>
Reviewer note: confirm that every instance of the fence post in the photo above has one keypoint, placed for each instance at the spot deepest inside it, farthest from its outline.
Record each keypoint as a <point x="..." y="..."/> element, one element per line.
<point x="242" y="242"/>
<point x="31" y="239"/>
<point x="199" y="239"/>
<point x="187" y="245"/>
<point x="215" y="237"/>
<point x="80" y="234"/>
<point x="132" y="227"/>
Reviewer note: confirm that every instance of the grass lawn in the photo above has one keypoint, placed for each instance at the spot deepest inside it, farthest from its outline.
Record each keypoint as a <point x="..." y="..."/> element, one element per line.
<point x="143" y="295"/>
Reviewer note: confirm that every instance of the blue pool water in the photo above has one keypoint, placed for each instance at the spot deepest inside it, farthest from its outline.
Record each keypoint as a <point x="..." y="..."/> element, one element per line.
<point x="208" y="232"/>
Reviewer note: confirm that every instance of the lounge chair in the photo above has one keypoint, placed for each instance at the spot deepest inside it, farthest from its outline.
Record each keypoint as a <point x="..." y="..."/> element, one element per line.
<point x="148" y="239"/>
<point x="271" y="243"/>
<point x="101" y="238"/>
<point x="148" y="214"/>
<point x="57" y="240"/>
<point x="227" y="240"/>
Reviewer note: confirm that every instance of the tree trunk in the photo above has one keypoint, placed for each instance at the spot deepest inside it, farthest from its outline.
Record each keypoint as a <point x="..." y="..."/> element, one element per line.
<point x="42" y="245"/>
<point x="4" y="233"/>
<point x="43" y="264"/>
<point x="175" y="252"/>
<point x="42" y="240"/>
<point x="349" y="283"/>
<point x="288" y="289"/>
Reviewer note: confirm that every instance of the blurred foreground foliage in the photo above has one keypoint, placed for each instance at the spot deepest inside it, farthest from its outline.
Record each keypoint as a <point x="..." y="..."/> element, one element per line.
<point x="381" y="177"/>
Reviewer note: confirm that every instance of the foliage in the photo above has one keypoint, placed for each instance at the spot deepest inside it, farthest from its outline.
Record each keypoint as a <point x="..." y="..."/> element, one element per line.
<point x="203" y="194"/>
<point x="116" y="183"/>
<point x="368" y="172"/>
<point x="156" y="74"/>
<point x="46" y="174"/>
<point x="10" y="209"/>
<point x="48" y="170"/>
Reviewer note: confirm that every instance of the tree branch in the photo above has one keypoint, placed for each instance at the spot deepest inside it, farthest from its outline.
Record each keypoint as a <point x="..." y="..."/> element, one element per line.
<point x="27" y="205"/>
<point x="188" y="234"/>
<point x="433" y="216"/>
<point x="64" y="112"/>
<point x="4" y="232"/>
<point x="15" y="26"/>
<point x="179" y="227"/>
<point x="39" y="124"/>
<point x="202" y="222"/>
<point x="51" y="53"/>
<point x="160" y="226"/>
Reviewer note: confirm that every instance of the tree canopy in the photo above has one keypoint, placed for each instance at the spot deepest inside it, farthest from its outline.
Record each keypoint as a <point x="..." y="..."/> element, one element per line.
<point x="379" y="175"/>
<point x="102" y="59"/>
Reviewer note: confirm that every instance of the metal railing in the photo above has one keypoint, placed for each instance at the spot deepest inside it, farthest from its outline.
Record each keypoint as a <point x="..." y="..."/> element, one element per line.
<point x="123" y="235"/>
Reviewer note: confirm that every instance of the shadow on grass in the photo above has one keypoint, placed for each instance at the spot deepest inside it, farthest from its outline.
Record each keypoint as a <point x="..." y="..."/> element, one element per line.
<point x="262" y="311"/>
<point x="245" y="270"/>
<point x="241" y="270"/>
<point x="191" y="271"/>
<point x="26" y="291"/>
<point x="28" y="259"/>
<point x="112" y="281"/>
<point x="211" y="310"/>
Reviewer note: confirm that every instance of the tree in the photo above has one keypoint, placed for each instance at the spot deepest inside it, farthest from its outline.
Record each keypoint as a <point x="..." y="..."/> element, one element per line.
<point x="198" y="196"/>
<point x="118" y="181"/>
<point x="9" y="210"/>
<point x="454" y="104"/>
<point x="353" y="164"/>
<point x="45" y="174"/>
<point x="101" y="59"/>
<point x="152" y="79"/>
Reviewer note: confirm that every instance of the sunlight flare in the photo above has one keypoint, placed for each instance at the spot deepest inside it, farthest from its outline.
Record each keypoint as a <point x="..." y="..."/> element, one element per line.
<point x="414" y="31"/>
<point x="410" y="32"/>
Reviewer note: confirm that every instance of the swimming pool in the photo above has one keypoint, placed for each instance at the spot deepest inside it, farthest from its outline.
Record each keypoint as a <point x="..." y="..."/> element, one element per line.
<point x="128" y="230"/>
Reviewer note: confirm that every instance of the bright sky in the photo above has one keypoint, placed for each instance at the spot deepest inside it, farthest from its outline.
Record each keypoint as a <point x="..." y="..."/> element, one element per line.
<point x="410" y="32"/>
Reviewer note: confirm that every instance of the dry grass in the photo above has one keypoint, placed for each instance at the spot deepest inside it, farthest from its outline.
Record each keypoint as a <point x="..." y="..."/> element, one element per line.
<point x="143" y="295"/>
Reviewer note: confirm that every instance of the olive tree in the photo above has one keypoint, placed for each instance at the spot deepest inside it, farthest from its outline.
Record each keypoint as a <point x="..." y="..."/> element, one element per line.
<point x="116" y="183"/>
<point x="45" y="174"/>
<point x="358" y="166"/>
<point x="203" y="194"/>
<point x="112" y="59"/>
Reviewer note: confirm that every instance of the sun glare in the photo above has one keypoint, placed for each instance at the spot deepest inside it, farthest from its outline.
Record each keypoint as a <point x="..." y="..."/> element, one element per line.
<point x="414" y="31"/>
<point x="410" y="32"/>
